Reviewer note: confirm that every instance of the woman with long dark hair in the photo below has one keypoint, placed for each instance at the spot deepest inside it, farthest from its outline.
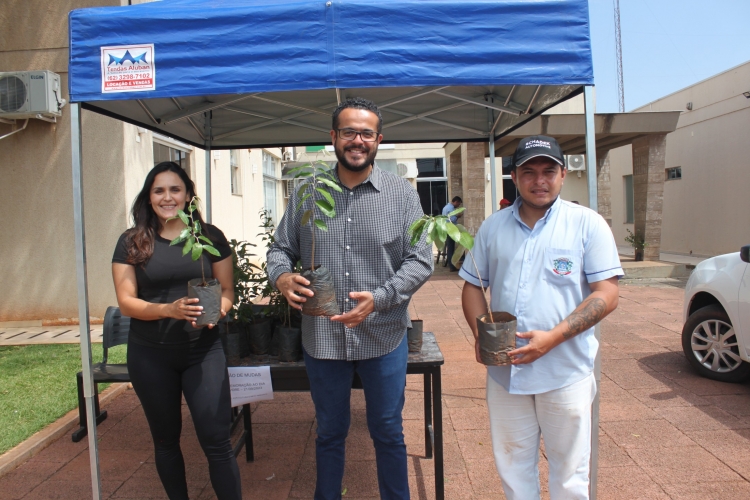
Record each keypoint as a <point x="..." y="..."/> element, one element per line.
<point x="168" y="355"/>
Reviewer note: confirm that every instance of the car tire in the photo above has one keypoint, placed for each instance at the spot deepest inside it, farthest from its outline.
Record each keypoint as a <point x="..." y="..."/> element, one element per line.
<point x="710" y="345"/>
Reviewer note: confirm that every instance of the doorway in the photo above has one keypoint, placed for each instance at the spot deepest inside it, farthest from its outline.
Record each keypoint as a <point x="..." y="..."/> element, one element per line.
<point x="433" y="195"/>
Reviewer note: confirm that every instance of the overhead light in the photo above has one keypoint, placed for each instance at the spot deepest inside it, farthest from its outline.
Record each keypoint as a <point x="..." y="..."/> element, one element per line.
<point x="746" y="94"/>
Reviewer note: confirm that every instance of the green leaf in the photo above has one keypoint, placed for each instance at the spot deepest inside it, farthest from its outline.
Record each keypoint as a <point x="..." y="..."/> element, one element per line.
<point x="416" y="228"/>
<point x="331" y="184"/>
<point x="183" y="217"/>
<point x="327" y="196"/>
<point x="188" y="246"/>
<point x="197" y="251"/>
<point x="303" y="200"/>
<point x="211" y="250"/>
<point x="326" y="208"/>
<point x="441" y="231"/>
<point x="205" y="240"/>
<point x="430" y="227"/>
<point x="182" y="237"/>
<point x="306" y="217"/>
<point x="197" y="227"/>
<point x="302" y="189"/>
<point x="453" y="231"/>
<point x="456" y="211"/>
<point x="466" y="240"/>
<point x="321" y="225"/>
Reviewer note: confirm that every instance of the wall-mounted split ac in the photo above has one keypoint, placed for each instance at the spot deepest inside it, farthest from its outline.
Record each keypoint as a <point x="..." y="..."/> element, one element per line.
<point x="30" y="94"/>
<point x="576" y="163"/>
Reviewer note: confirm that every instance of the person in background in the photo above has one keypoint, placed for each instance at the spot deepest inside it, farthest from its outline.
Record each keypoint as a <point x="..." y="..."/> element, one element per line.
<point x="504" y="203"/>
<point x="168" y="355"/>
<point x="450" y="245"/>
<point x="554" y="265"/>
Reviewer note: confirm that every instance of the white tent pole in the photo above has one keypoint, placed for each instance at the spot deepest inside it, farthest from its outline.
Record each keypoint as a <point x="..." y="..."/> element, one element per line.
<point x="491" y="118"/>
<point x="591" y="177"/>
<point x="83" y="297"/>
<point x="207" y="134"/>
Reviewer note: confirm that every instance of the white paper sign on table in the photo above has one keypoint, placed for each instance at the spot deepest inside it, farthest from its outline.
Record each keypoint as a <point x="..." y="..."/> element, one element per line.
<point x="249" y="384"/>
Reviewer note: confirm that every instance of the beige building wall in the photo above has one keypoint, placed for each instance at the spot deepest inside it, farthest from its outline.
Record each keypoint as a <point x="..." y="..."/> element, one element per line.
<point x="37" y="269"/>
<point x="705" y="211"/>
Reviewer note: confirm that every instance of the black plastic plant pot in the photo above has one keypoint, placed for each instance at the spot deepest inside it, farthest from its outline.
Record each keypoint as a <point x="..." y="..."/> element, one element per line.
<point x="414" y="335"/>
<point x="290" y="343"/>
<point x="237" y="328"/>
<point x="233" y="348"/>
<point x="324" y="302"/>
<point x="496" y="338"/>
<point x="209" y="297"/>
<point x="259" y="335"/>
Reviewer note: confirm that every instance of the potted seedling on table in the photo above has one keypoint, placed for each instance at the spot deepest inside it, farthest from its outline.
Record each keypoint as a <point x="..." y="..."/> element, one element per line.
<point x="497" y="330"/>
<point x="314" y="199"/>
<point x="241" y="313"/>
<point x="284" y="339"/>
<point x="208" y="292"/>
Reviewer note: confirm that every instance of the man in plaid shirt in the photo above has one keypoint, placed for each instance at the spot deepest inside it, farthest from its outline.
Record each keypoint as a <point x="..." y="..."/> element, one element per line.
<point x="376" y="270"/>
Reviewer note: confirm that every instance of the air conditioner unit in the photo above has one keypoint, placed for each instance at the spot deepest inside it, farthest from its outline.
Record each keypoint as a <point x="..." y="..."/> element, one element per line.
<point x="576" y="163"/>
<point x="288" y="155"/>
<point x="30" y="94"/>
<point x="407" y="168"/>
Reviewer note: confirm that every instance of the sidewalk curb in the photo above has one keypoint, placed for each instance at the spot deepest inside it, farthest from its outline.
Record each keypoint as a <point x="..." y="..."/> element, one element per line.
<point x="39" y="441"/>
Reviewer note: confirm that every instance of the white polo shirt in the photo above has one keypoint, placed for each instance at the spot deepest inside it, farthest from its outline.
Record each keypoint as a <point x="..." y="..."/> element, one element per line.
<point x="541" y="276"/>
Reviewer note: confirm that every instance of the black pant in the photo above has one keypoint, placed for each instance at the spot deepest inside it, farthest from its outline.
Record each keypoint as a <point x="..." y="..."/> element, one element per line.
<point x="160" y="377"/>
<point x="450" y="247"/>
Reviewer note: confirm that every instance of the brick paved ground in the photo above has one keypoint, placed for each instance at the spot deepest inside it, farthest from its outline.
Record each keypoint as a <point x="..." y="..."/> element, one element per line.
<point x="664" y="432"/>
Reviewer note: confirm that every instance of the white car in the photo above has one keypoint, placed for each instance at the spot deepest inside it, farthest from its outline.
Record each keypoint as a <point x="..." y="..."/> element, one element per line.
<point x="716" y="335"/>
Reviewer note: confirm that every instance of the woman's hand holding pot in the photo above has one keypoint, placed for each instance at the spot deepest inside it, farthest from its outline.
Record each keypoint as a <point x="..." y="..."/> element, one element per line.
<point x="184" y="308"/>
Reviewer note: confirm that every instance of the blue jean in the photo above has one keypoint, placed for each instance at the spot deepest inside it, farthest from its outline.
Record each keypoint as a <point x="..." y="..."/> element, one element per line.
<point x="384" y="382"/>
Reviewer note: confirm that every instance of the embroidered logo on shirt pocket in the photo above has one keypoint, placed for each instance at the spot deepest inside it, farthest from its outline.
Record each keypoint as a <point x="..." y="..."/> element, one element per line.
<point x="561" y="266"/>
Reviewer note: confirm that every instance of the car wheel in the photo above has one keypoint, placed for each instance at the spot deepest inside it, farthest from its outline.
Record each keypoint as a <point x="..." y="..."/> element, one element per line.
<point x="710" y="344"/>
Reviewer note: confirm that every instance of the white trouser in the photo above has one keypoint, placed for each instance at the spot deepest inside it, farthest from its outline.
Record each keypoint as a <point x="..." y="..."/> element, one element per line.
<point x="564" y="418"/>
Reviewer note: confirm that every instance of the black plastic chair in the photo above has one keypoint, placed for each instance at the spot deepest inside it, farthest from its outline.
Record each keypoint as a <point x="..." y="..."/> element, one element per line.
<point x="116" y="330"/>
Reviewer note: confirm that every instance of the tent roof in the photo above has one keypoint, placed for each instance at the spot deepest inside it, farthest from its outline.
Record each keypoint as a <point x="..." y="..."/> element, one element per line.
<point x="271" y="71"/>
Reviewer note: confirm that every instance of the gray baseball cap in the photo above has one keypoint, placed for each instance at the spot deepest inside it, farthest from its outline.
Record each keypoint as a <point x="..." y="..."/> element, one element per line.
<point x="535" y="146"/>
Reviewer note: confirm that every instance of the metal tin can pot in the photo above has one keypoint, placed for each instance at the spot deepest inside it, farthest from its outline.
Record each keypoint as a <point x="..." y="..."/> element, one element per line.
<point x="323" y="303"/>
<point x="414" y="335"/>
<point x="496" y="338"/>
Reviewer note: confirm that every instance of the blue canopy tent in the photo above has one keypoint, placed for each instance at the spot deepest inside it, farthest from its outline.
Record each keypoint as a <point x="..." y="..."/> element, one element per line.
<point x="227" y="74"/>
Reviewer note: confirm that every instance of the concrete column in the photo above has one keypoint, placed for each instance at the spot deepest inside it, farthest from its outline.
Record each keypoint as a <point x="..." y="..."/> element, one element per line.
<point x="472" y="169"/>
<point x="455" y="175"/>
<point x="648" y="190"/>
<point x="604" y="187"/>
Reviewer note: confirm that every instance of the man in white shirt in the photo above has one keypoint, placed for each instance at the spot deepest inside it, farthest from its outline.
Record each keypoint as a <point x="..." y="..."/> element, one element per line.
<point x="554" y="265"/>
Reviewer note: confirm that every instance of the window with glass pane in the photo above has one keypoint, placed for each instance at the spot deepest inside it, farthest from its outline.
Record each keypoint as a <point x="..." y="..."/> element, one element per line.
<point x="270" y="198"/>
<point x="269" y="164"/>
<point x="163" y="152"/>
<point x="234" y="166"/>
<point x="430" y="167"/>
<point x="674" y="173"/>
<point x="627" y="181"/>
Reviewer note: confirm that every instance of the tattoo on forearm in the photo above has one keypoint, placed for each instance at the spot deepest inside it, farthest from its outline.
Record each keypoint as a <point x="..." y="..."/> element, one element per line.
<point x="592" y="312"/>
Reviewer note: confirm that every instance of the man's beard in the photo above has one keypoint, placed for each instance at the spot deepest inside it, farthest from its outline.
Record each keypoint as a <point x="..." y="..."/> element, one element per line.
<point x="369" y="159"/>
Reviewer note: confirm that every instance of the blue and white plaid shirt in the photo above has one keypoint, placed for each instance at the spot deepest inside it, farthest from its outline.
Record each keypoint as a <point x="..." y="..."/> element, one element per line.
<point x="366" y="249"/>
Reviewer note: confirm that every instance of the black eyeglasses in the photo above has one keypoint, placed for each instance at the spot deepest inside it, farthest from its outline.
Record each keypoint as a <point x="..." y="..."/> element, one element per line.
<point x="349" y="134"/>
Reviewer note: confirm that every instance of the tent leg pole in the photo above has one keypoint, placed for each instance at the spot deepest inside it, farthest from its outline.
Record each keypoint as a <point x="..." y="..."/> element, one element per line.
<point x="207" y="133"/>
<point x="591" y="177"/>
<point x="493" y="178"/>
<point x="83" y="298"/>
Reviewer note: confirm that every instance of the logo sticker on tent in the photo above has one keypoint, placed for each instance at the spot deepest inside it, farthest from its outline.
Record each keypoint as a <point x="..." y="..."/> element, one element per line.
<point x="128" y="68"/>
